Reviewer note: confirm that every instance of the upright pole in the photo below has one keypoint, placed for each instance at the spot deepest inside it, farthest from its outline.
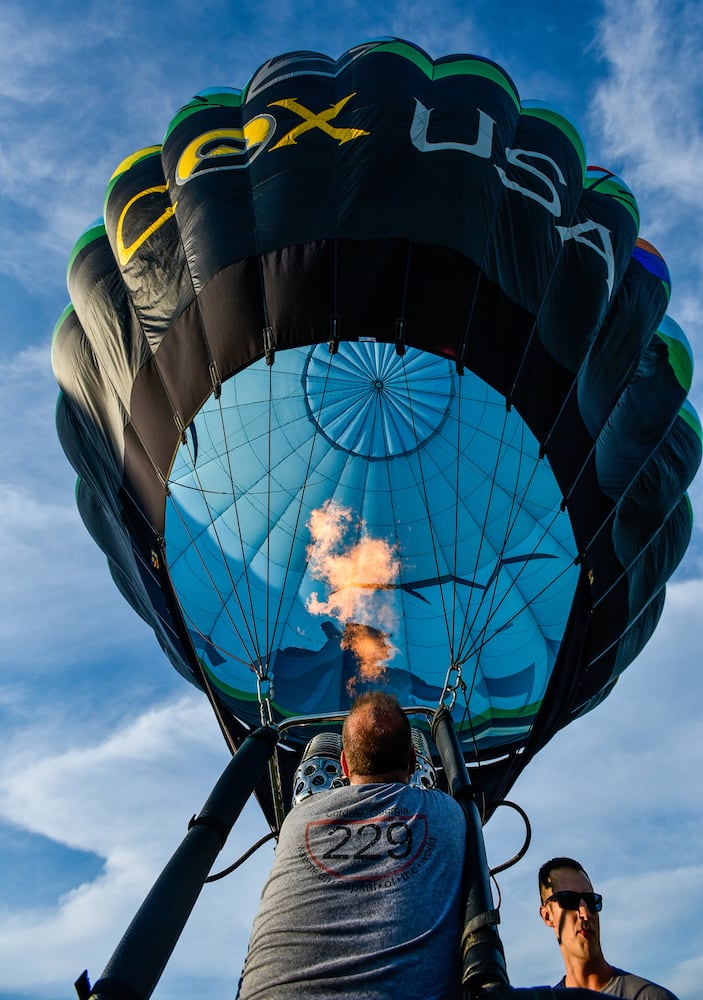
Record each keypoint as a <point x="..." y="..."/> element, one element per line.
<point x="141" y="956"/>
<point x="483" y="960"/>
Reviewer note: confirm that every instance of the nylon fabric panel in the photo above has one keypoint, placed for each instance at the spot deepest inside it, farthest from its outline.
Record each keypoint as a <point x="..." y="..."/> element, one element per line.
<point x="612" y="362"/>
<point x="653" y="564"/>
<point x="647" y="408"/>
<point x="233" y="316"/>
<point x="107" y="318"/>
<point x="147" y="245"/>
<point x="541" y="181"/>
<point x="598" y="243"/>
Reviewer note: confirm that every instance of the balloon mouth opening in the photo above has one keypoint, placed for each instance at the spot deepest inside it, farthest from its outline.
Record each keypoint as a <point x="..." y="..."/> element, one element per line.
<point x="326" y="534"/>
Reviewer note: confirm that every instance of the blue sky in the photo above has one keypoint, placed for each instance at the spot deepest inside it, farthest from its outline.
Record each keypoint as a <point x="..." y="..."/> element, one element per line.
<point x="106" y="751"/>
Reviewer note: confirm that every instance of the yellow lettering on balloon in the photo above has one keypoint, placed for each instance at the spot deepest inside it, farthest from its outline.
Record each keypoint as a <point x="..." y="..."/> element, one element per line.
<point x="257" y="130"/>
<point x="320" y="120"/>
<point x="223" y="142"/>
<point x="124" y="252"/>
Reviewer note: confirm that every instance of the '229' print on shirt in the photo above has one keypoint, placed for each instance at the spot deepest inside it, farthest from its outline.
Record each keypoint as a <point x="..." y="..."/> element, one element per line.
<point x="374" y="848"/>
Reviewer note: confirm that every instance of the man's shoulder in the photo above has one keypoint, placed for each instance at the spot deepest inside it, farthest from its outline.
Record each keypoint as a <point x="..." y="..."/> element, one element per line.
<point x="357" y="799"/>
<point x="444" y="800"/>
<point x="632" y="987"/>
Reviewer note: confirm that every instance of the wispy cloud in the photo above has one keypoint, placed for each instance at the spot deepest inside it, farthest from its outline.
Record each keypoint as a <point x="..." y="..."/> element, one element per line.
<point x="159" y="770"/>
<point x="648" y="104"/>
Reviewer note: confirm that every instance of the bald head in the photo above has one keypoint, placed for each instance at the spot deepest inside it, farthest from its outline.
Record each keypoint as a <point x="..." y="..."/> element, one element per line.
<point x="376" y="740"/>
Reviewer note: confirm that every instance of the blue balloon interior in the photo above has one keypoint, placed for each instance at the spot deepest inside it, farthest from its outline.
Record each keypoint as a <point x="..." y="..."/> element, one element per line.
<point x="408" y="464"/>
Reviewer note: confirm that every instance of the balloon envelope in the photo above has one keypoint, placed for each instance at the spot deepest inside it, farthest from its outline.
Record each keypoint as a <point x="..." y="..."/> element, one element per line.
<point x="368" y="382"/>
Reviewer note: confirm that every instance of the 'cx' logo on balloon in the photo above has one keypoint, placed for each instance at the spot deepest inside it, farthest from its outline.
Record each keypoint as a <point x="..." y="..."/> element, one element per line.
<point x="321" y="120"/>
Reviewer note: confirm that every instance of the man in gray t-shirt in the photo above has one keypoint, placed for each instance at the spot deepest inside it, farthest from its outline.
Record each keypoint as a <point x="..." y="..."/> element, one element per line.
<point x="364" y="897"/>
<point x="572" y="909"/>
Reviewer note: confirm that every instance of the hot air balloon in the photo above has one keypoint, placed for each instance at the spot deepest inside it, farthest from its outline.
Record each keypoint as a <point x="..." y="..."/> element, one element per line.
<point x="368" y="381"/>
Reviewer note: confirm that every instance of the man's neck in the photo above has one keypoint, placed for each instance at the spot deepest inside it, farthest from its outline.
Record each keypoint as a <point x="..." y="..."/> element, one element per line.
<point x="375" y="779"/>
<point x="593" y="975"/>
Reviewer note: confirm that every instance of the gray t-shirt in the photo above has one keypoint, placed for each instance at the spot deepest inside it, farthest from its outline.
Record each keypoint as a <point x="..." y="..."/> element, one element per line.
<point x="364" y="898"/>
<point x="630" y="987"/>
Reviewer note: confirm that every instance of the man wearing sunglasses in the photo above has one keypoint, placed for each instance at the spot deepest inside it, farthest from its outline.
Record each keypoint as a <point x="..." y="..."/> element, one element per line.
<point x="571" y="908"/>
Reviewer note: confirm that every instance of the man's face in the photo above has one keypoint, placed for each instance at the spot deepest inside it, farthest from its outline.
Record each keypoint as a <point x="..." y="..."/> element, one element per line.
<point x="577" y="931"/>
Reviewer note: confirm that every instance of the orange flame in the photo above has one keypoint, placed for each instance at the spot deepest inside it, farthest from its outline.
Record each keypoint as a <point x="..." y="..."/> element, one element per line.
<point x="359" y="575"/>
<point x="372" y="650"/>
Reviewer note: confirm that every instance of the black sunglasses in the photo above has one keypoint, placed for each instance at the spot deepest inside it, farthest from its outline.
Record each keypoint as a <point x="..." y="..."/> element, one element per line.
<point x="570" y="900"/>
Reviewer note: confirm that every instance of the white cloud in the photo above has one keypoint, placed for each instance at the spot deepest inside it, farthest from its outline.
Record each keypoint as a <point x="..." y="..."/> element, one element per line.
<point x="62" y="135"/>
<point x="128" y="800"/>
<point x="687" y="980"/>
<point x="670" y="889"/>
<point x="648" y="105"/>
<point x="645" y="112"/>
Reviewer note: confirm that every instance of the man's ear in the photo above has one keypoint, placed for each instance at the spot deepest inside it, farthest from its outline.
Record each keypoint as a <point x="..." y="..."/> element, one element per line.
<point x="345" y="766"/>
<point x="546" y="915"/>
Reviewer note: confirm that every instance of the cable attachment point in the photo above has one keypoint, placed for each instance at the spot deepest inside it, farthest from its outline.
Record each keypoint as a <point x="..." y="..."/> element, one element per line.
<point x="400" y="336"/>
<point x="157" y="556"/>
<point x="269" y="346"/>
<point x="215" y="380"/>
<point x="334" y="335"/>
<point x="181" y="426"/>
<point x="263" y="694"/>
<point x="448" y="697"/>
